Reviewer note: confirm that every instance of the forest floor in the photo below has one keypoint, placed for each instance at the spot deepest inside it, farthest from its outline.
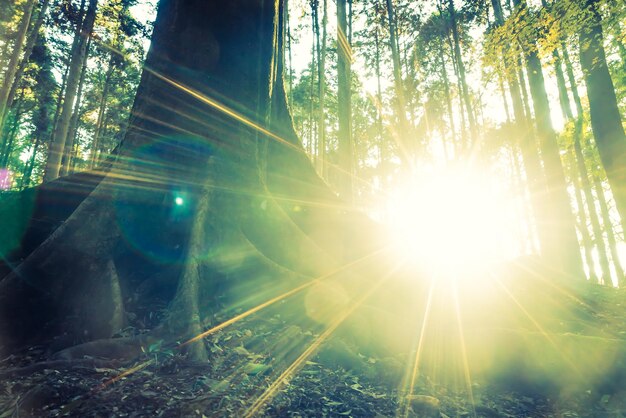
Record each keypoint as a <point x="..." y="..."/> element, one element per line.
<point x="336" y="381"/>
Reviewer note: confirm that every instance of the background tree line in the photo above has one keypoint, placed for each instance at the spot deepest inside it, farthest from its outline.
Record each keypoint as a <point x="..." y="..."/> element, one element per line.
<point x="70" y="71"/>
<point x="532" y="93"/>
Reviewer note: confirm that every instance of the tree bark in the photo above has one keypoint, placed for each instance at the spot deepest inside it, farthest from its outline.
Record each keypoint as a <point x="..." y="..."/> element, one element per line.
<point x="446" y="88"/>
<point x="606" y="121"/>
<point x="563" y="246"/>
<point x="95" y="144"/>
<point x="221" y="98"/>
<point x="79" y="49"/>
<point x="591" y="209"/>
<point x="9" y="75"/>
<point x="608" y="227"/>
<point x="28" y="49"/>
<point x="587" y="242"/>
<point x="400" y="135"/>
<point x="28" y="169"/>
<point x="321" y="88"/>
<point x="344" y="104"/>
<point x="528" y="146"/>
<point x="7" y="145"/>
<point x="68" y="150"/>
<point x="566" y="108"/>
<point x="461" y="69"/>
<point x="379" y="111"/>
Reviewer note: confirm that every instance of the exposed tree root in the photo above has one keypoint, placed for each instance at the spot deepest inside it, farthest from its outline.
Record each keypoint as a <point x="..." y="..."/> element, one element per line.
<point x="60" y="365"/>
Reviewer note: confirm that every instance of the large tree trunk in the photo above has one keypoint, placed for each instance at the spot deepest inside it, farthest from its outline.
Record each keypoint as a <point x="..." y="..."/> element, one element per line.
<point x="606" y="121"/>
<point x="222" y="100"/>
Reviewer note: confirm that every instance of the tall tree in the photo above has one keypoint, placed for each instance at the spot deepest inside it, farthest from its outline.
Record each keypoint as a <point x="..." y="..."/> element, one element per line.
<point x="28" y="48"/>
<point x="401" y="136"/>
<point x="527" y="143"/>
<point x="461" y="68"/>
<point x="606" y="121"/>
<point x="9" y="75"/>
<point x="321" y="85"/>
<point x="231" y="129"/>
<point x="71" y="133"/>
<point x="79" y="49"/>
<point x="564" y="245"/>
<point x="344" y="110"/>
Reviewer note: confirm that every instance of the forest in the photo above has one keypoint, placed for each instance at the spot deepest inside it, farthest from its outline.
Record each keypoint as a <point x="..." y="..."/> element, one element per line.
<point x="358" y="208"/>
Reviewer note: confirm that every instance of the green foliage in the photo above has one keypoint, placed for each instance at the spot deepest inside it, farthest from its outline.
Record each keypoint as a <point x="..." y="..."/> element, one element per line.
<point x="158" y="353"/>
<point x="117" y="43"/>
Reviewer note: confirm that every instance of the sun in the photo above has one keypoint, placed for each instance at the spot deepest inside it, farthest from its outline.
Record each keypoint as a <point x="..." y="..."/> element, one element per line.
<point x="450" y="223"/>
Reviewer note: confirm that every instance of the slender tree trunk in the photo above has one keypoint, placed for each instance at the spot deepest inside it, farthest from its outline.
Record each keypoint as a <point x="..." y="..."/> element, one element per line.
<point x="312" y="146"/>
<point x="5" y="51"/>
<point x="591" y="209"/>
<point x="344" y="106"/>
<point x="28" y="49"/>
<point x="405" y="150"/>
<point x="59" y="103"/>
<point x="606" y="121"/>
<point x="102" y="147"/>
<point x="101" y="108"/>
<point x="289" y="52"/>
<point x="583" y="228"/>
<point x="608" y="227"/>
<point x="71" y="133"/>
<point x="446" y="89"/>
<point x="524" y="90"/>
<point x="566" y="108"/>
<point x="382" y="156"/>
<point x="28" y="170"/>
<point x="606" y="220"/>
<point x="9" y="75"/>
<point x="505" y="102"/>
<point x="564" y="247"/>
<point x="528" y="146"/>
<point x="321" y="85"/>
<point x="569" y="70"/>
<point x="463" y="125"/>
<point x="79" y="49"/>
<point x="461" y="68"/>
<point x="7" y="148"/>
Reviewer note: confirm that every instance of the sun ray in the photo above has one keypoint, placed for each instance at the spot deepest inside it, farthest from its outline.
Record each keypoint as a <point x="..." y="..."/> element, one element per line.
<point x="418" y="354"/>
<point x="236" y="115"/>
<point x="125" y="373"/>
<point x="271" y="391"/>
<point x="466" y="368"/>
<point x="250" y="312"/>
<point x="278" y="298"/>
<point x="570" y="362"/>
